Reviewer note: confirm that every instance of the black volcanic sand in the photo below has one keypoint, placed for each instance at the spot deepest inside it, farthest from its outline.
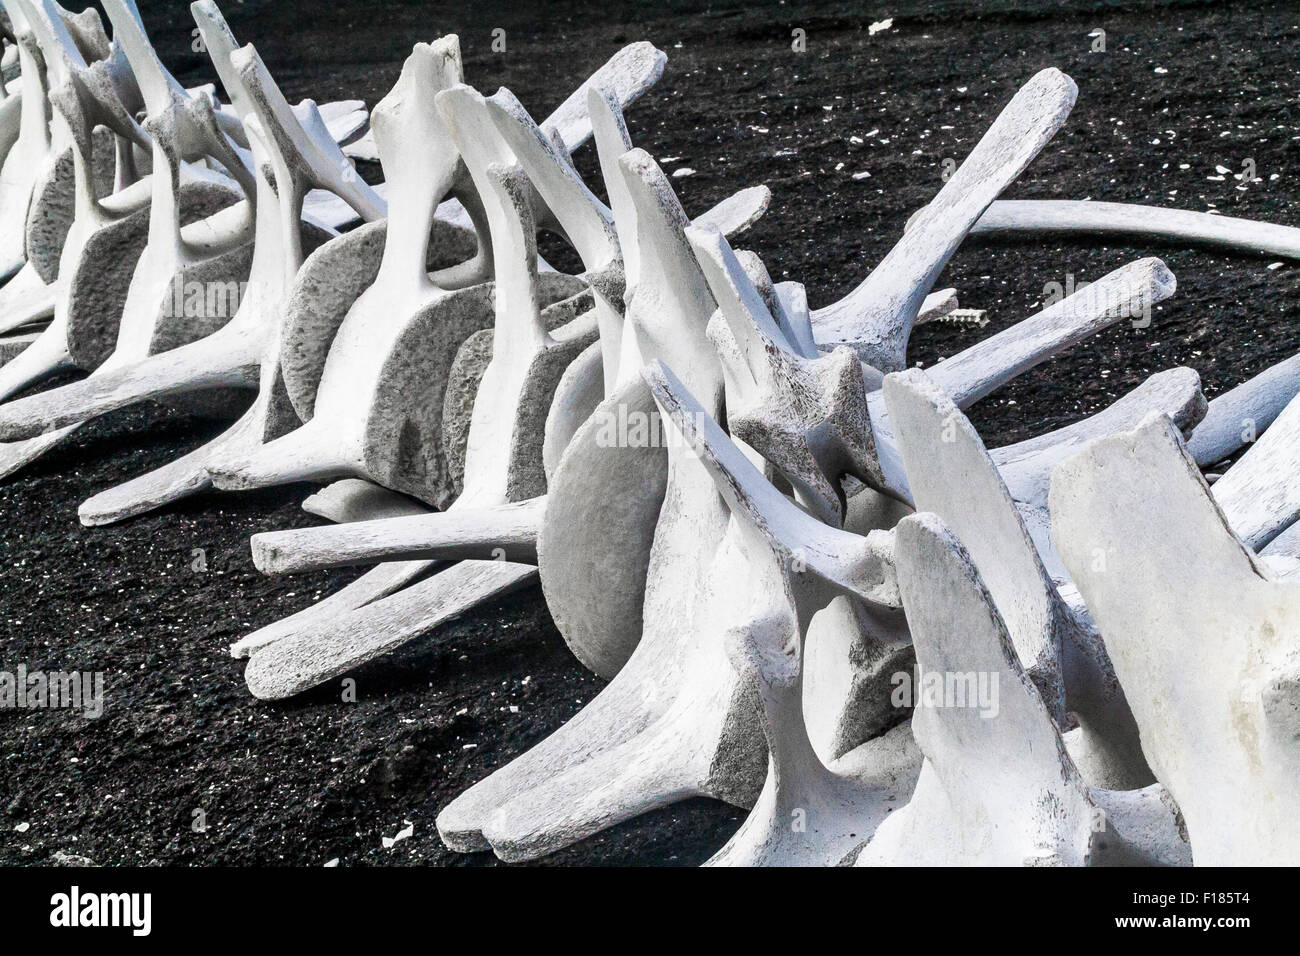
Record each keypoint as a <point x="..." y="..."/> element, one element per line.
<point x="1180" y="90"/>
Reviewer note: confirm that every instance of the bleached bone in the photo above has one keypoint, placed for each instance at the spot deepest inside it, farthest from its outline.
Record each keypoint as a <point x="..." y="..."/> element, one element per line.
<point x="353" y="499"/>
<point x="572" y="515"/>
<point x="997" y="786"/>
<point x="25" y="299"/>
<point x="31" y="149"/>
<point x="415" y="317"/>
<point x="1241" y="413"/>
<point x="625" y="753"/>
<point x="1127" y="292"/>
<point x="1181" y="226"/>
<point x="1260" y="493"/>
<point x="213" y="249"/>
<point x="804" y="412"/>
<point x="807" y="813"/>
<point x="503" y="458"/>
<point x="1201" y="635"/>
<point x="310" y="328"/>
<point x="614" y="746"/>
<point x="950" y="473"/>
<point x="876" y="318"/>
<point x="292" y="151"/>
<point x="503" y="532"/>
<point x="232" y="354"/>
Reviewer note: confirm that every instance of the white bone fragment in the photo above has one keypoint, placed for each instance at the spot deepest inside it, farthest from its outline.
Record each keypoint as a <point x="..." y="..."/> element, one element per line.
<point x="952" y="474"/>
<point x="498" y="533"/>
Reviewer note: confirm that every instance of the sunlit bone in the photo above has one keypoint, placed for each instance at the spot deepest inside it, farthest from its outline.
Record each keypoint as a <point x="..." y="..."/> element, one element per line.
<point x="950" y="473"/>
<point x="668" y="306"/>
<point x="310" y="327"/>
<point x="1201" y="634"/>
<point x="217" y="249"/>
<point x="808" y="813"/>
<point x="997" y="786"/>
<point x="230" y="356"/>
<point x="292" y="152"/>
<point x="526" y="363"/>
<point x="876" y="318"/>
<point x="1130" y="220"/>
<point x="571" y="507"/>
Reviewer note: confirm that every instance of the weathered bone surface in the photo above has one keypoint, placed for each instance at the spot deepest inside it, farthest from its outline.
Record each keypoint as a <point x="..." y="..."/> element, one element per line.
<point x="950" y="473"/>
<point x="590" y="524"/>
<point x="291" y="151"/>
<point x="1200" y="635"/>
<point x="997" y="787"/>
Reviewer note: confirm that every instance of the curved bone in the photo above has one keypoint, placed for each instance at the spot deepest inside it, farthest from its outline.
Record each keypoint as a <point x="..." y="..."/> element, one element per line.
<point x="1181" y="226"/>
<point x="997" y="786"/>
<point x="181" y="126"/>
<point x="31" y="150"/>
<point x="1201" y="636"/>
<point x="876" y="318"/>
<point x="1260" y="493"/>
<point x="1236" y="416"/>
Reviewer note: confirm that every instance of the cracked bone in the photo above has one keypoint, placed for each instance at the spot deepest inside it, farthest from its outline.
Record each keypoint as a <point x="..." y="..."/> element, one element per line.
<point x="876" y="318"/>
<point x="1201" y="636"/>
<point x="1130" y="220"/>
<point x="997" y="786"/>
